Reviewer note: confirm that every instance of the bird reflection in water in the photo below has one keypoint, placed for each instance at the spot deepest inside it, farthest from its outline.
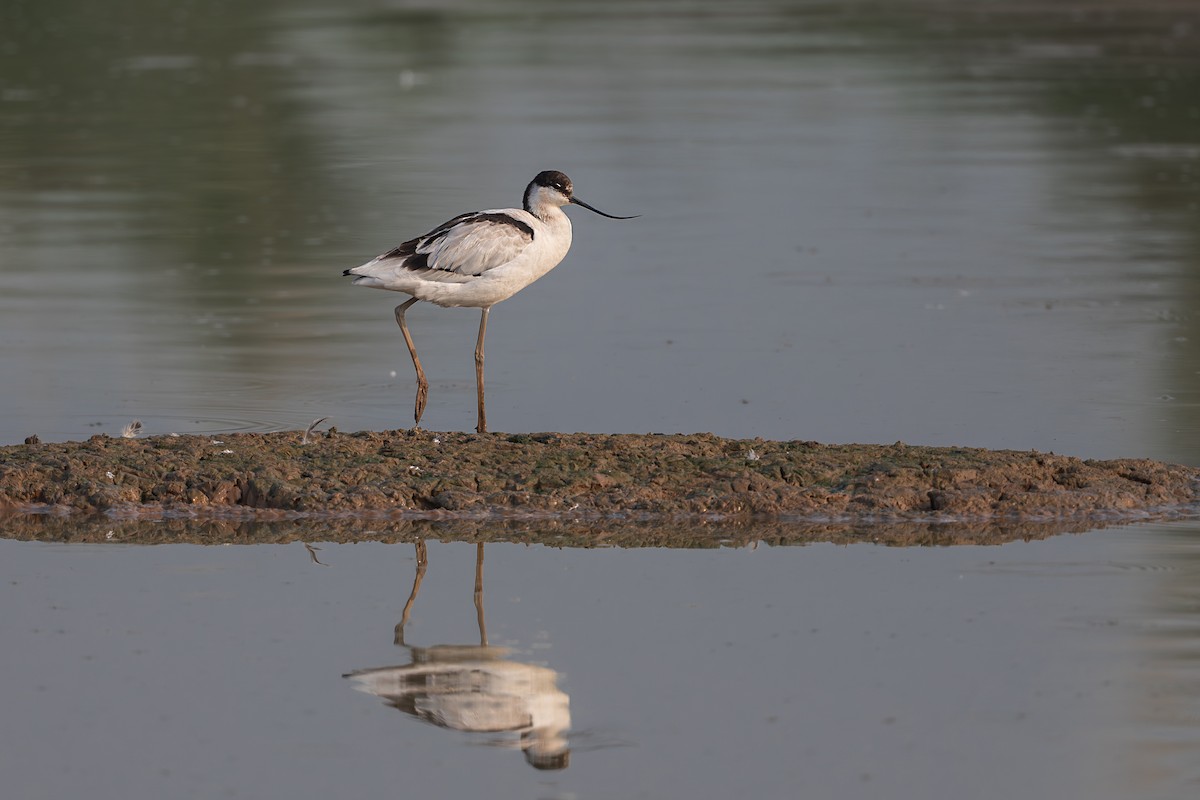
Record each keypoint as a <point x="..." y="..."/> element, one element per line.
<point x="475" y="688"/>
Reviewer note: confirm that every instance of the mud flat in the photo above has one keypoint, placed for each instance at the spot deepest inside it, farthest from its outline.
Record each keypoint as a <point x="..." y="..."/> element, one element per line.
<point x="423" y="475"/>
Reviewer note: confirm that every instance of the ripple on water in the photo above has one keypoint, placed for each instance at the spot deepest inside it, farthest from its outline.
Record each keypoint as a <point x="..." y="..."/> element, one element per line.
<point x="199" y="420"/>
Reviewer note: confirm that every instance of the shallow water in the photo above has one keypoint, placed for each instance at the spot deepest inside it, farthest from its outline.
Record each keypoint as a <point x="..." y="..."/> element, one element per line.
<point x="935" y="222"/>
<point x="1059" y="668"/>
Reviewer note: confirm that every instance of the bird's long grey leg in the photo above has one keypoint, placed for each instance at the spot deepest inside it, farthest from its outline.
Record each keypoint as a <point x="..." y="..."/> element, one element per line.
<point x="422" y="384"/>
<point x="482" y="426"/>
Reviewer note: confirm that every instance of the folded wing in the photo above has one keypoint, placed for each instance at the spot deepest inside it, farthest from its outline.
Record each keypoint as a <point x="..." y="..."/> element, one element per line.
<point x="467" y="246"/>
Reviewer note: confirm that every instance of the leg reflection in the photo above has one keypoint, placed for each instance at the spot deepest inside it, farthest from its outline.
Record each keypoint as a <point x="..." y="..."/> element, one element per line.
<point x="422" y="561"/>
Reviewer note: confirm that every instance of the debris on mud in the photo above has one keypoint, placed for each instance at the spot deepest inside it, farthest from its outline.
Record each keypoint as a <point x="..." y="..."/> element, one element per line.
<point x="426" y="475"/>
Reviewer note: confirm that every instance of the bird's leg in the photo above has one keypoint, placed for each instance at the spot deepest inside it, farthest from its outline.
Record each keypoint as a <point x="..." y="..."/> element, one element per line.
<point x="482" y="426"/>
<point x="422" y="384"/>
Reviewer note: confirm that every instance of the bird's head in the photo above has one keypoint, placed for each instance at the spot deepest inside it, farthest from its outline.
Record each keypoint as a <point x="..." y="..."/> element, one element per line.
<point x="553" y="189"/>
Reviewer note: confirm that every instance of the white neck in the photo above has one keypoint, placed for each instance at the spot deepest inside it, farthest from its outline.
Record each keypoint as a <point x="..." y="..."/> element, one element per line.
<point x="545" y="204"/>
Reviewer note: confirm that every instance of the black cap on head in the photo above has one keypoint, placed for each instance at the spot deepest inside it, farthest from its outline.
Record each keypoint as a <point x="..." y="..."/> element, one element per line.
<point x="553" y="179"/>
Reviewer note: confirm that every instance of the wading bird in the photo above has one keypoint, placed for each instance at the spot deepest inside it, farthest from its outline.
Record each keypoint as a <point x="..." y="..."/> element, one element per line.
<point x="476" y="260"/>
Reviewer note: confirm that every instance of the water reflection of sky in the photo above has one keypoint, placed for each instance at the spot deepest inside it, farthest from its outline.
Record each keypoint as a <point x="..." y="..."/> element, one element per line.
<point x="1037" y="669"/>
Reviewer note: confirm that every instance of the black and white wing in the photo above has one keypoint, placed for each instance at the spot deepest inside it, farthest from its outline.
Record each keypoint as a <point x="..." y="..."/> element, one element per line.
<point x="463" y="248"/>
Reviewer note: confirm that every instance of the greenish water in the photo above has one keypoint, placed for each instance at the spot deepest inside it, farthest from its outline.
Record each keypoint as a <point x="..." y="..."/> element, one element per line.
<point x="918" y="221"/>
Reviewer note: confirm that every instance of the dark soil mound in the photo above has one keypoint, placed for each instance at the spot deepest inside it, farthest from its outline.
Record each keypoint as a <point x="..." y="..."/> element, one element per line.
<point x="420" y="474"/>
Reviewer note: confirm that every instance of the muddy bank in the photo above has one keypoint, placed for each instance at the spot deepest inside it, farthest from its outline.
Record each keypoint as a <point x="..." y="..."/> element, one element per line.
<point x="422" y="474"/>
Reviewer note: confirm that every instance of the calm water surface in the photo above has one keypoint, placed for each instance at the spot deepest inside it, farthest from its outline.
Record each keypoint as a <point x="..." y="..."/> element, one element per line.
<point x="1060" y="668"/>
<point x="929" y="224"/>
<point x="929" y="221"/>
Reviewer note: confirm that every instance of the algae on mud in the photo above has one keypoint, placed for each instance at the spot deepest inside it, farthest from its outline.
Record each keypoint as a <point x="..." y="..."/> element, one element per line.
<point x="421" y="474"/>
